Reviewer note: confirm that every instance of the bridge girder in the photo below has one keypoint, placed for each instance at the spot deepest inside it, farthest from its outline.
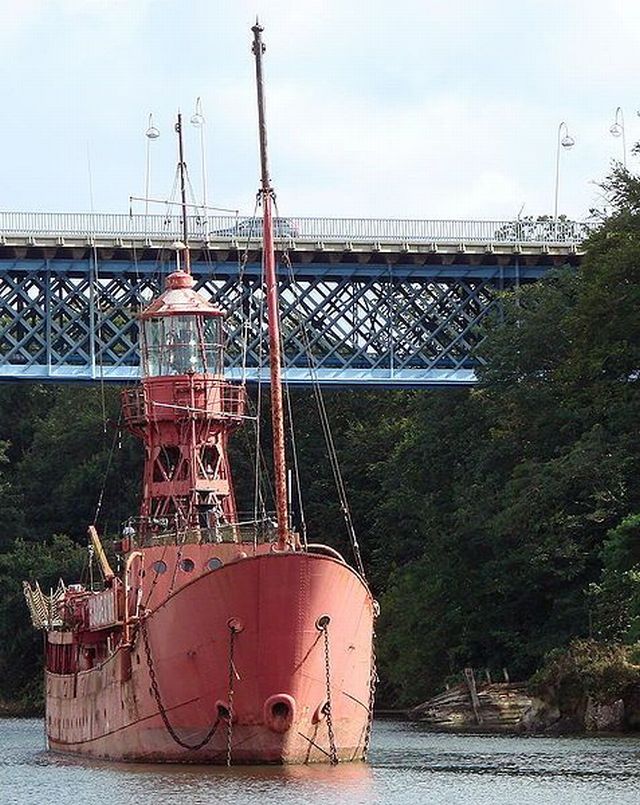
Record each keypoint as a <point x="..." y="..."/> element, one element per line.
<point x="391" y="316"/>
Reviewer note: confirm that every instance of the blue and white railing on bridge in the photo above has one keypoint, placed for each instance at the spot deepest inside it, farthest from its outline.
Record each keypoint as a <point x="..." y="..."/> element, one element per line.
<point x="242" y="229"/>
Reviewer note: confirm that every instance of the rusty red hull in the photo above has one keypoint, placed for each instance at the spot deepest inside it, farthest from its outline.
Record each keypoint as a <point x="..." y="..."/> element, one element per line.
<point x="237" y="661"/>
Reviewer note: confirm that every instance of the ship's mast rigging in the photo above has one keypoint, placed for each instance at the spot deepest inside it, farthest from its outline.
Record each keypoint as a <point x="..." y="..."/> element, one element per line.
<point x="275" y="357"/>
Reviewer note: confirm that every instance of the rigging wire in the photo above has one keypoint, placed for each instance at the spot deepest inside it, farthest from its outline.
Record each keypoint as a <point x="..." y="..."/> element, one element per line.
<point x="328" y="436"/>
<point x="294" y="453"/>
<point x="260" y="458"/>
<point x="258" y="500"/>
<point x="167" y="201"/>
<point x="94" y="288"/>
<point x="116" y="436"/>
<point x="292" y="431"/>
<point x="263" y="485"/>
<point x="173" y="195"/>
<point x="296" y="466"/>
<point x="259" y="509"/>
<point x="95" y="279"/>
<point x="243" y="260"/>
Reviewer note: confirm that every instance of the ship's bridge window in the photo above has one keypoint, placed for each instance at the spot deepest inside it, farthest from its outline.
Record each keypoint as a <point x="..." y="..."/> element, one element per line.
<point x="179" y="345"/>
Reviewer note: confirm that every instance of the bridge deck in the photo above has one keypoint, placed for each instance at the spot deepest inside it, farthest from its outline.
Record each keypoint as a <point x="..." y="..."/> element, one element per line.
<point x="371" y="302"/>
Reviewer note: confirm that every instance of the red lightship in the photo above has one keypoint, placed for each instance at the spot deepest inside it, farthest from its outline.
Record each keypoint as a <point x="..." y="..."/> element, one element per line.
<point x="221" y="640"/>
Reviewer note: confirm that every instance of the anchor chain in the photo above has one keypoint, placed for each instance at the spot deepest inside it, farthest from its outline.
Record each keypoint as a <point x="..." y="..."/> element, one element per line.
<point x="233" y="631"/>
<point x="323" y="625"/>
<point x="161" y="707"/>
<point x="373" y="681"/>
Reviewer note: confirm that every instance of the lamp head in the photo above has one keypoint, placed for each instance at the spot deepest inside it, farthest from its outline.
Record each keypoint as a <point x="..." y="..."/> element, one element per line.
<point x="197" y="119"/>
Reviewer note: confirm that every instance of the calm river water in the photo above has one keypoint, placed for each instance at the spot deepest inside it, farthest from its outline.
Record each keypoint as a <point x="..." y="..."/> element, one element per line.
<point x="408" y="765"/>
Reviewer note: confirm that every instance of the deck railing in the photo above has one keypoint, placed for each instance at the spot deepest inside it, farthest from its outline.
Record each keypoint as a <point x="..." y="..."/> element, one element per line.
<point x="241" y="229"/>
<point x="171" y="530"/>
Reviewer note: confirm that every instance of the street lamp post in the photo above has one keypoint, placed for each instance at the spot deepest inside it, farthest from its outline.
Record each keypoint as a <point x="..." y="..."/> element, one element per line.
<point x="566" y="142"/>
<point x="198" y="120"/>
<point x="617" y="129"/>
<point x="151" y="134"/>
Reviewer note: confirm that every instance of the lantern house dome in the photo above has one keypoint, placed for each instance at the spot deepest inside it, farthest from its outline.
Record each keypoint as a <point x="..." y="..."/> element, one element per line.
<point x="181" y="332"/>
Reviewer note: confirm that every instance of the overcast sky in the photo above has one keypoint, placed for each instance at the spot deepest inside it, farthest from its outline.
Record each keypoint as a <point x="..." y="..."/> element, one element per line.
<point x="410" y="108"/>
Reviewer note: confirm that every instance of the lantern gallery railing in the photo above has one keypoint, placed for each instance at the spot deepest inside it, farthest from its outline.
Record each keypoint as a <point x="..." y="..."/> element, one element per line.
<point x="241" y="229"/>
<point x="212" y="398"/>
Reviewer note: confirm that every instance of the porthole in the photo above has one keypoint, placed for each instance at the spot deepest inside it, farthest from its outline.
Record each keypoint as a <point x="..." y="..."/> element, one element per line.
<point x="214" y="563"/>
<point x="159" y="566"/>
<point x="187" y="565"/>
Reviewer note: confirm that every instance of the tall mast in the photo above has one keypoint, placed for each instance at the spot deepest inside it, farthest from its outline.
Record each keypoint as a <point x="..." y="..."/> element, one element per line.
<point x="275" y="357"/>
<point x="183" y="196"/>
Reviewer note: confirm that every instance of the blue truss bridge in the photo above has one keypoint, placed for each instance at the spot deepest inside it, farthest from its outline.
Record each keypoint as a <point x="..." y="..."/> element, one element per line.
<point x="364" y="301"/>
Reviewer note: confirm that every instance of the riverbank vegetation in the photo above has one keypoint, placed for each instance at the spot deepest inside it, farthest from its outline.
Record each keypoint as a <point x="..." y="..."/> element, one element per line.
<point x="498" y="524"/>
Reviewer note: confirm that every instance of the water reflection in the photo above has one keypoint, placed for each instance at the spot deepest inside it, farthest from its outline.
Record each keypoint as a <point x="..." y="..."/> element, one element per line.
<point x="353" y="778"/>
<point x="408" y="765"/>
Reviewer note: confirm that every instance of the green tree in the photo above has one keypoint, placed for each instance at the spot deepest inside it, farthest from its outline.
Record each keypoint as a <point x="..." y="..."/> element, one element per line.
<point x="77" y="459"/>
<point x="21" y="644"/>
<point x="543" y="467"/>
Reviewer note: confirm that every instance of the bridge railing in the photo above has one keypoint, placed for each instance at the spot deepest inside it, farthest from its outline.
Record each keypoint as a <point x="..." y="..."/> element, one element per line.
<point x="243" y="229"/>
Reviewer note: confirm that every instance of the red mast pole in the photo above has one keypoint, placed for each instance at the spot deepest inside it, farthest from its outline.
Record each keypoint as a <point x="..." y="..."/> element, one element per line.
<point x="275" y="357"/>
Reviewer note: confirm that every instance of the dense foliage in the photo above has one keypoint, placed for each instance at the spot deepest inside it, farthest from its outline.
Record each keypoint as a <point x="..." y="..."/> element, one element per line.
<point x="497" y="524"/>
<point x="586" y="669"/>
